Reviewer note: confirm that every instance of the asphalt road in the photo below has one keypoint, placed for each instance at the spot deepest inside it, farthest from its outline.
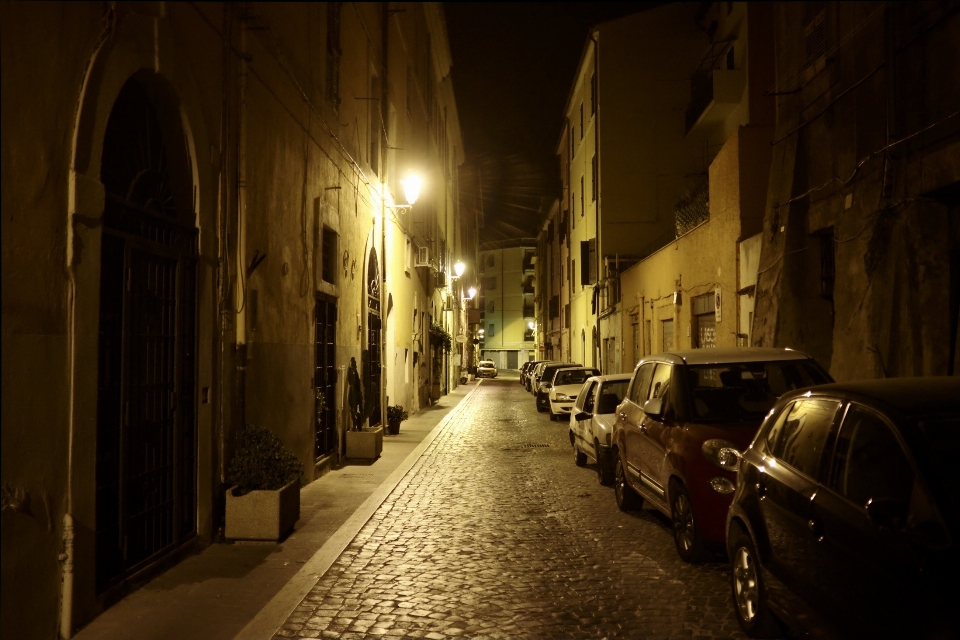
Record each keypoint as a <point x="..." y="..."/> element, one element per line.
<point x="495" y="533"/>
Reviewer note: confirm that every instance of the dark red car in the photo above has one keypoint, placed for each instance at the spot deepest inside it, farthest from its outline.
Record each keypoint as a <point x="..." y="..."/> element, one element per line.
<point x="682" y="425"/>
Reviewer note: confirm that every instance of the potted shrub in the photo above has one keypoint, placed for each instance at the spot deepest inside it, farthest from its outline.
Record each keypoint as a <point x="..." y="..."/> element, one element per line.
<point x="263" y="502"/>
<point x="361" y="443"/>
<point x="395" y="415"/>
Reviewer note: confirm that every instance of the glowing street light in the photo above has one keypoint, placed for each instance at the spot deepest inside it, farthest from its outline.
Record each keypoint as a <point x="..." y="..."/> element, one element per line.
<point x="459" y="268"/>
<point x="411" y="188"/>
<point x="471" y="292"/>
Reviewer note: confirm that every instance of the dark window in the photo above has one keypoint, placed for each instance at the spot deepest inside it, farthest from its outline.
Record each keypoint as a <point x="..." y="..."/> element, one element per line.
<point x="573" y="274"/>
<point x="770" y="439"/>
<point x="582" y="196"/>
<point x="595" y="176"/>
<point x="490" y="284"/>
<point x="333" y="54"/>
<point x="804" y="433"/>
<point x="329" y="255"/>
<point x="581" y="121"/>
<point x="814" y="31"/>
<point x="588" y="261"/>
<point x="868" y="462"/>
<point x="593" y="94"/>
<point x="490" y="331"/>
<point x="490" y="260"/>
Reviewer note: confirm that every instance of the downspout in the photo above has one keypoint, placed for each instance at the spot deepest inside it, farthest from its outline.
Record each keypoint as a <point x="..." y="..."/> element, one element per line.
<point x="596" y="206"/>
<point x="384" y="114"/>
<point x="241" y="280"/>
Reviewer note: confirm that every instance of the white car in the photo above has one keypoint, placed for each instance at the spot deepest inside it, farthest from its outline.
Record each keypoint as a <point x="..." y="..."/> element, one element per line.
<point x="486" y="369"/>
<point x="564" y="388"/>
<point x="592" y="421"/>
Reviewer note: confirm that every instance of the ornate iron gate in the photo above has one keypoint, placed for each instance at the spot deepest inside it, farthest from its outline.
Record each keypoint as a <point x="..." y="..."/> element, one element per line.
<point x="146" y="414"/>
<point x="373" y="338"/>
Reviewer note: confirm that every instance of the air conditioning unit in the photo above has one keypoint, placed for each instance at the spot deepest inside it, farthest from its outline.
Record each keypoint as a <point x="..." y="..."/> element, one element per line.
<point x="441" y="279"/>
<point x="423" y="257"/>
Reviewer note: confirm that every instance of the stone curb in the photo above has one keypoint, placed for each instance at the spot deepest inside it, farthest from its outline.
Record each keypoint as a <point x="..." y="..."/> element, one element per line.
<point x="275" y="613"/>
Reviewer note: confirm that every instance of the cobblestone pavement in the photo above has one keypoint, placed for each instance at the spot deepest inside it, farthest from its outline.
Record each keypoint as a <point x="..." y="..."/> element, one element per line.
<point x="495" y="533"/>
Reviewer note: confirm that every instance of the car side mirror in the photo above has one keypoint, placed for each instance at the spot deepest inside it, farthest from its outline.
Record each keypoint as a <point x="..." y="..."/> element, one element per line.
<point x="583" y="415"/>
<point x="654" y="408"/>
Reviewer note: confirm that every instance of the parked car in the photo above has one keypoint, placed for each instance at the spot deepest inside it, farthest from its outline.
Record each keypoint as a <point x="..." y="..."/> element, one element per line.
<point x="686" y="417"/>
<point x="486" y="369"/>
<point x="563" y="391"/>
<point x="525" y="370"/>
<point x="534" y="378"/>
<point x="845" y="519"/>
<point x="592" y="419"/>
<point x="545" y="381"/>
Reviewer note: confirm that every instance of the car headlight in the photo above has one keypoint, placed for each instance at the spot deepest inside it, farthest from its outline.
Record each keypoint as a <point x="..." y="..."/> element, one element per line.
<point x="722" y="454"/>
<point x="562" y="397"/>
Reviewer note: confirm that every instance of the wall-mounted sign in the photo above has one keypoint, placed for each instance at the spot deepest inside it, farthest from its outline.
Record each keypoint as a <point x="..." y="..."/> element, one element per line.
<point x="717" y="308"/>
<point x="461" y="339"/>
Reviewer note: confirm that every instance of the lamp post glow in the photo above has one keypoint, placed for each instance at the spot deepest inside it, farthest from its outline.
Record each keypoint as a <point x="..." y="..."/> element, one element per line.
<point x="411" y="188"/>
<point x="471" y="292"/>
<point x="459" y="268"/>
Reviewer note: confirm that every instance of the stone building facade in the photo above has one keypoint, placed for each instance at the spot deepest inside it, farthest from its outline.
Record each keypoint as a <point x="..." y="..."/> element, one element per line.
<point x="203" y="227"/>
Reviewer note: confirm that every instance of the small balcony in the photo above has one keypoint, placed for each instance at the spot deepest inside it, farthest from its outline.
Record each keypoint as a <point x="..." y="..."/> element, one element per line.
<point x="714" y="94"/>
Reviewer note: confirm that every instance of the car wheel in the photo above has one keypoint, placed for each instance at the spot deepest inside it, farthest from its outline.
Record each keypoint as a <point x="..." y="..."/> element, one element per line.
<point x="749" y="592"/>
<point x="686" y="536"/>
<point x="579" y="456"/>
<point x="627" y="500"/>
<point x="603" y="470"/>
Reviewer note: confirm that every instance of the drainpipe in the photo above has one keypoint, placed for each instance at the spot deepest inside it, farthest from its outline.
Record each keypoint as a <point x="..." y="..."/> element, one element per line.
<point x="384" y="115"/>
<point x="241" y="280"/>
<point x="596" y="206"/>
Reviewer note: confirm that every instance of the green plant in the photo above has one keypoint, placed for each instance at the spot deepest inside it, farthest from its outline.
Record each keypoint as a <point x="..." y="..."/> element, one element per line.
<point x="396" y="413"/>
<point x="261" y="461"/>
<point x="440" y="338"/>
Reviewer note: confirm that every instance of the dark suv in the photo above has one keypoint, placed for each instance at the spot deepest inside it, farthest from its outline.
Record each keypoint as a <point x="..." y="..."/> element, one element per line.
<point x="681" y="427"/>
<point x="845" y="519"/>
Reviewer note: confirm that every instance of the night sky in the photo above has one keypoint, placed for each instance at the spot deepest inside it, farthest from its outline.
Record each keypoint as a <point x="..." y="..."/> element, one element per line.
<point x="513" y="64"/>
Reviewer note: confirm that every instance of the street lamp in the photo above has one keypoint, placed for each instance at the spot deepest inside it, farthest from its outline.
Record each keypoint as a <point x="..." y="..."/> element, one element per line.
<point x="411" y="188"/>
<point x="459" y="268"/>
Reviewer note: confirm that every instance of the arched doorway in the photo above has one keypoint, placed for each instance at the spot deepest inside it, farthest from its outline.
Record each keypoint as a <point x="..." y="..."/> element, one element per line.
<point x="372" y="374"/>
<point x="146" y="482"/>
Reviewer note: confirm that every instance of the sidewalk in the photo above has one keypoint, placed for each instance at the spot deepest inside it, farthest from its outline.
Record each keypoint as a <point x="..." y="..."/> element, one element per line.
<point x="246" y="587"/>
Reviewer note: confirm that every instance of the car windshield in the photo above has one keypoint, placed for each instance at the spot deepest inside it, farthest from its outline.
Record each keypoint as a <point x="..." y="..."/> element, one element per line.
<point x="941" y="439"/>
<point x="746" y="390"/>
<point x="574" y="376"/>
<point x="611" y="395"/>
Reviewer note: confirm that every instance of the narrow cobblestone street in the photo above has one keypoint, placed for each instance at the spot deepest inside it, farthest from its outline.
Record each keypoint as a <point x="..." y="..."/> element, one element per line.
<point x="496" y="533"/>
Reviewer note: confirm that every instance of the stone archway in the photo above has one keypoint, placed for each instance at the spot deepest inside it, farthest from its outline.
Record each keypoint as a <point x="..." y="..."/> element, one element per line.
<point x="146" y="461"/>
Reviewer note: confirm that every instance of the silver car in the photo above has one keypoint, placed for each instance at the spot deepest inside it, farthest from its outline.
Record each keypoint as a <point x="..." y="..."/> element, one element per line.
<point x="592" y="419"/>
<point x="486" y="369"/>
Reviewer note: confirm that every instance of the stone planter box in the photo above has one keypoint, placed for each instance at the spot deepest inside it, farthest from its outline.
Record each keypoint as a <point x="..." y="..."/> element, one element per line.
<point x="262" y="515"/>
<point x="365" y="444"/>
